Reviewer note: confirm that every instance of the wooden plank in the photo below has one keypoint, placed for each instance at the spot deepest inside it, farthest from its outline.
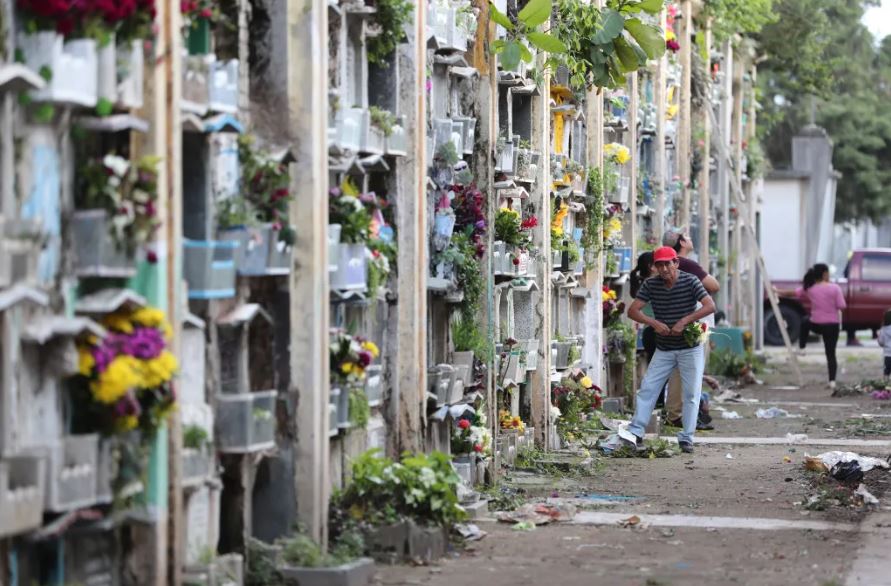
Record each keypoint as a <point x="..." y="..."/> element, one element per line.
<point x="684" y="117"/>
<point x="307" y="59"/>
<point x="410" y="380"/>
<point x="705" y="174"/>
<point x="659" y="95"/>
<point x="540" y="381"/>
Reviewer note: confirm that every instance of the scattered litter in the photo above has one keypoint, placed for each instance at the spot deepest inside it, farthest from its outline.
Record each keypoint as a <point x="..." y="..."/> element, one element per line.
<point x="868" y="497"/>
<point x="524" y="526"/>
<point x="787" y="459"/>
<point x="847" y="472"/>
<point x="867" y="463"/>
<point x="815" y="464"/>
<point x="792" y="438"/>
<point x="729" y="456"/>
<point x="539" y="513"/>
<point x="666" y="532"/>
<point x="571" y="538"/>
<point x="682" y="566"/>
<point x="785" y="388"/>
<point x="631" y="521"/>
<point x="729" y="396"/>
<point x="626" y="435"/>
<point x="881" y="395"/>
<point x="773" y="413"/>
<point x="730" y="415"/>
<point x="470" y="532"/>
<point x="610" y="444"/>
<point x="612" y="424"/>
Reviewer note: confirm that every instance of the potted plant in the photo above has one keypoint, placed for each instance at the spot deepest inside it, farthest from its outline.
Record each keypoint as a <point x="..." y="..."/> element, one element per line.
<point x="302" y="561"/>
<point x="196" y="455"/>
<point x="116" y="215"/>
<point x="347" y="209"/>
<point x="349" y="357"/>
<point x="406" y="508"/>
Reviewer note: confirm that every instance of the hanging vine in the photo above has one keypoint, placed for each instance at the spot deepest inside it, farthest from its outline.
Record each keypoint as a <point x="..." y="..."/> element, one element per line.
<point x="592" y="235"/>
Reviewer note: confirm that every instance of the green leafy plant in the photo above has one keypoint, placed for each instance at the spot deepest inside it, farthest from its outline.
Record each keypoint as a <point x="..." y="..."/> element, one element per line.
<point x="508" y="228"/>
<point x="266" y="186"/>
<point x="421" y="487"/>
<point x="467" y="337"/>
<point x="195" y="437"/>
<point x="447" y="154"/>
<point x="360" y="412"/>
<point x="592" y="233"/>
<point x="603" y="45"/>
<point x="513" y="49"/>
<point x="391" y="17"/>
<point x="382" y="119"/>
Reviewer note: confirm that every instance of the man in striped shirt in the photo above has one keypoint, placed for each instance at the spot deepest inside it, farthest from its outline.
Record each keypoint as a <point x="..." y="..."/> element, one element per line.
<point x="673" y="296"/>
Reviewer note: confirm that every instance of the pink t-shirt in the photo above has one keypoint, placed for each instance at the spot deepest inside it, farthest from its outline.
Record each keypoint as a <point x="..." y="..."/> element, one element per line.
<point x="826" y="301"/>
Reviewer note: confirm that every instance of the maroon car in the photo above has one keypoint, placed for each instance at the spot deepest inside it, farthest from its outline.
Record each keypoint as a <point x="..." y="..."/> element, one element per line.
<point x="867" y="288"/>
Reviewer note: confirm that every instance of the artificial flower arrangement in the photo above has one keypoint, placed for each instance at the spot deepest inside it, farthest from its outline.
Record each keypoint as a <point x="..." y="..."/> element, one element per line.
<point x="576" y="397"/>
<point x="471" y="434"/>
<point x="469" y="205"/>
<point x="510" y="422"/>
<point x="617" y="153"/>
<point x="265" y="188"/>
<point x="612" y="307"/>
<point x="350" y="356"/>
<point x="128" y="193"/>
<point x="128" y="371"/>
<point x="94" y="19"/>
<point x="194" y="11"/>
<point x="696" y="333"/>
<point x="511" y="229"/>
<point x="671" y="41"/>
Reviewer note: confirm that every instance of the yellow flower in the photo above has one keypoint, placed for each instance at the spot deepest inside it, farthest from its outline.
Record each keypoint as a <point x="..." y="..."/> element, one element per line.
<point x="127" y="423"/>
<point x="586" y="382"/>
<point x="623" y="156"/>
<point x="617" y="152"/>
<point x="121" y="375"/>
<point x="669" y="35"/>
<point x="119" y="323"/>
<point x="85" y="361"/>
<point x="557" y="222"/>
<point x="346" y="367"/>
<point x="372" y="348"/>
<point x="152" y="317"/>
<point x="157" y="371"/>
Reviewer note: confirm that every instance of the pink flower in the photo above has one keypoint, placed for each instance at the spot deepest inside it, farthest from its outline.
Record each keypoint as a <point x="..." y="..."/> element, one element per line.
<point x="464" y="424"/>
<point x="477" y="448"/>
<point x="151" y="256"/>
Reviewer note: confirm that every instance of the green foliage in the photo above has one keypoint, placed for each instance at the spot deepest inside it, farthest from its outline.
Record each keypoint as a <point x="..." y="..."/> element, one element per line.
<point x="603" y="45"/>
<point x="467" y="337"/>
<point x="657" y="448"/>
<point x="353" y="217"/>
<point x="724" y="362"/>
<point x="513" y="49"/>
<point x="382" y="119"/>
<point x="421" y="487"/>
<point x="360" y="412"/>
<point x="447" y="154"/>
<point x="508" y="228"/>
<point x="391" y="16"/>
<point x="592" y="235"/>
<point x="738" y="16"/>
<point x="260" y="569"/>
<point x="195" y="437"/>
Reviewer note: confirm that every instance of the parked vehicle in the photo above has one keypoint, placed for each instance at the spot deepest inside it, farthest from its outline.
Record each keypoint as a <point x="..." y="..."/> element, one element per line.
<point x="866" y="283"/>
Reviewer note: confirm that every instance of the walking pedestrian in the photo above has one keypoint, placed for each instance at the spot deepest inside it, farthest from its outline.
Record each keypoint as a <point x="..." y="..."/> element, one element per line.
<point x="683" y="245"/>
<point x="885" y="341"/>
<point x="674" y="296"/>
<point x="827" y="301"/>
<point x="640" y="273"/>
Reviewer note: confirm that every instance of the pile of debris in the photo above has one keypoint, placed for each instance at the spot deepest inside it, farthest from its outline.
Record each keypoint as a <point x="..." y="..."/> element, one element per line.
<point x="847" y="479"/>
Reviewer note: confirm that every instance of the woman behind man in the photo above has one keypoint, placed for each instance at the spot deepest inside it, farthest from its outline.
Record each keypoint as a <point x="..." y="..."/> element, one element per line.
<point x="827" y="301"/>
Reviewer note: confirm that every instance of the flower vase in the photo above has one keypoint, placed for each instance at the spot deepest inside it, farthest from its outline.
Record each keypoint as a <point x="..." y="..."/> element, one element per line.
<point x="443" y="227"/>
<point x="130" y="74"/>
<point x="107" y="78"/>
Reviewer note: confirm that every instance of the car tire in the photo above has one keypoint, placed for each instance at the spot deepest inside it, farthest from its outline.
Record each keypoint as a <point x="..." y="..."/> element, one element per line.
<point x="772" y="334"/>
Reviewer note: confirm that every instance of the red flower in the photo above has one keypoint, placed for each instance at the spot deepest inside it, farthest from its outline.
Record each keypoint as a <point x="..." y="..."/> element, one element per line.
<point x="673" y="46"/>
<point x="151" y="256"/>
<point x="206" y="13"/>
<point x="704" y="328"/>
<point x="529" y="223"/>
<point x="477" y="448"/>
<point x="464" y="424"/>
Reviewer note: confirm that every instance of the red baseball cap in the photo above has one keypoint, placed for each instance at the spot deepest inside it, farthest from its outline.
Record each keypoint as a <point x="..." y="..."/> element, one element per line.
<point x="664" y="253"/>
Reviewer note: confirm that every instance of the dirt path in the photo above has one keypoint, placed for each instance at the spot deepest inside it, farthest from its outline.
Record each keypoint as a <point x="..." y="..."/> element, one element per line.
<point x="723" y="487"/>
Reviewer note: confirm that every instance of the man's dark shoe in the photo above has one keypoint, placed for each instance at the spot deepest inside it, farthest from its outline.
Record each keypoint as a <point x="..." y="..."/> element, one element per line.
<point x="686" y="447"/>
<point x="702" y="426"/>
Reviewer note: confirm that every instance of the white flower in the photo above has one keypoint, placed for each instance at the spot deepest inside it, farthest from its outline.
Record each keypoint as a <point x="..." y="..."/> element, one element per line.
<point x="427" y="477"/>
<point x="118" y="165"/>
<point x="555" y="413"/>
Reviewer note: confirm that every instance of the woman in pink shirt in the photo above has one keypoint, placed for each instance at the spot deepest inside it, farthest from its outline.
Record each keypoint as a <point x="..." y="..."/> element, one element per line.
<point x="827" y="301"/>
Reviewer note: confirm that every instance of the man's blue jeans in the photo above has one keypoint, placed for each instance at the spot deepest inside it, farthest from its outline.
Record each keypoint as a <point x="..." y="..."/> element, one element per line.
<point x="691" y="364"/>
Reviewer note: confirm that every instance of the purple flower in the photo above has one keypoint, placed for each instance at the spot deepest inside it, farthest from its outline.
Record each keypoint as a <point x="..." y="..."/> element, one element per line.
<point x="334" y="192"/>
<point x="365" y="358"/>
<point x="104" y="354"/>
<point x="127" y="405"/>
<point x="144" y="343"/>
<point x="480" y="225"/>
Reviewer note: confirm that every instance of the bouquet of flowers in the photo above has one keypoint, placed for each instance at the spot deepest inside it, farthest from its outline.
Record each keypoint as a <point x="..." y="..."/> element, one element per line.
<point x="575" y="398"/>
<point x="129" y="193"/>
<point x="350" y="356"/>
<point x="509" y="422"/>
<point x="612" y="308"/>
<point x="696" y="333"/>
<point x="470" y="216"/>
<point x="471" y="434"/>
<point x="128" y="371"/>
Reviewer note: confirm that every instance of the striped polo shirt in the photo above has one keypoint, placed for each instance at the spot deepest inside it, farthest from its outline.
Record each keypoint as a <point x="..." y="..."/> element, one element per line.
<point x="670" y="305"/>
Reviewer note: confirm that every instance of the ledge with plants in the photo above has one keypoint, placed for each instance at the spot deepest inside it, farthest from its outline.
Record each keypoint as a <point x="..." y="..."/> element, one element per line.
<point x="577" y="401"/>
<point x="349" y="357"/>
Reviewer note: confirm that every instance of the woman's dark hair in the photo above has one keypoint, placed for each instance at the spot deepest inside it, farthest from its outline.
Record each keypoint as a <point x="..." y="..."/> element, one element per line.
<point x="641" y="272"/>
<point x="887" y="320"/>
<point x="813" y="275"/>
